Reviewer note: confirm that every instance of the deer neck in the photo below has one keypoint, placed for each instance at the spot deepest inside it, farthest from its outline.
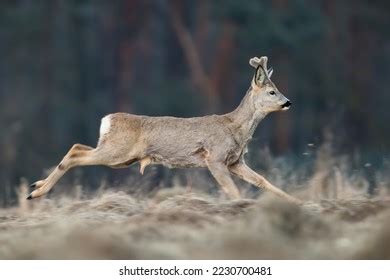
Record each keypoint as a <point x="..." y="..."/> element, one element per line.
<point x="245" y="119"/>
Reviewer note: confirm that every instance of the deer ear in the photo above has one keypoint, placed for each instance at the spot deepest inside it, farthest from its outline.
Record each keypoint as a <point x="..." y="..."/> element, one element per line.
<point x="261" y="65"/>
<point x="260" y="75"/>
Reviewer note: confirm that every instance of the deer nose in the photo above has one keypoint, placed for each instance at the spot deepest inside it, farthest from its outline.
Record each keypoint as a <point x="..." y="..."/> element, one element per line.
<point x="287" y="104"/>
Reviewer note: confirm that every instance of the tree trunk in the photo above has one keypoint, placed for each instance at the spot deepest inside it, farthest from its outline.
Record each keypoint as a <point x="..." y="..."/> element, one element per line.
<point x="198" y="75"/>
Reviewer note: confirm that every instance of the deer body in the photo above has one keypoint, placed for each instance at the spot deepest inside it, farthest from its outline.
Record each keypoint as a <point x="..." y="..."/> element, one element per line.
<point x="217" y="142"/>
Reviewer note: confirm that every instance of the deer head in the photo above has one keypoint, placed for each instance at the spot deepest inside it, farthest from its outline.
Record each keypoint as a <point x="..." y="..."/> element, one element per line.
<point x="265" y="95"/>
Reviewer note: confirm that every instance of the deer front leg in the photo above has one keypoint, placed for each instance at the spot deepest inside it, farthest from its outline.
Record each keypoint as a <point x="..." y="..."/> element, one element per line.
<point x="221" y="174"/>
<point x="247" y="174"/>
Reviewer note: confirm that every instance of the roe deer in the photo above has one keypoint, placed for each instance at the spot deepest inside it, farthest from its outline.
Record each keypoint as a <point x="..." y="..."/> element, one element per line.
<point x="217" y="142"/>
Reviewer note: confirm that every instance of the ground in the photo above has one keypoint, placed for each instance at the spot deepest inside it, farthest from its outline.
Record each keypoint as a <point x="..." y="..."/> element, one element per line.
<point x="175" y="224"/>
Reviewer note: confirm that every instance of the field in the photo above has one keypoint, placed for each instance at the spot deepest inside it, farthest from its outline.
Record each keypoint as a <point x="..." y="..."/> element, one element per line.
<point x="174" y="225"/>
<point x="338" y="221"/>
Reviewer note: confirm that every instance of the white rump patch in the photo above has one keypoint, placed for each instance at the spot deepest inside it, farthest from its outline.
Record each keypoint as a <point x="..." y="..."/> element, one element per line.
<point x="105" y="125"/>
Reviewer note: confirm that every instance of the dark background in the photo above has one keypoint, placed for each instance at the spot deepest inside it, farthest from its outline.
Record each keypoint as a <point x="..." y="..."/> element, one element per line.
<point x="64" y="64"/>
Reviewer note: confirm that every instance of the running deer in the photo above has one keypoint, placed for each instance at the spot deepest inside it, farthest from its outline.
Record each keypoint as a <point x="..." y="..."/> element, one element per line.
<point x="218" y="142"/>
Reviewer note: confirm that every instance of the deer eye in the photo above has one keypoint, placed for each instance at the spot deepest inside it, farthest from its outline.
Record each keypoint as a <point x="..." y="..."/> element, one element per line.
<point x="272" y="92"/>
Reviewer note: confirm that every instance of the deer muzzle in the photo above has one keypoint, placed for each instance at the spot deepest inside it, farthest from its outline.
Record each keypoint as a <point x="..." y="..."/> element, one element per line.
<point x="286" y="105"/>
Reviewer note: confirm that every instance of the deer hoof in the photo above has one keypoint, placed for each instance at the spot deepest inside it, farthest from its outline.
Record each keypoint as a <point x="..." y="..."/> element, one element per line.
<point x="37" y="184"/>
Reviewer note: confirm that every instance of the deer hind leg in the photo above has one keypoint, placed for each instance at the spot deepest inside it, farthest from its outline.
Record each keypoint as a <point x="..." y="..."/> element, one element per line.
<point x="247" y="174"/>
<point x="78" y="155"/>
<point x="221" y="174"/>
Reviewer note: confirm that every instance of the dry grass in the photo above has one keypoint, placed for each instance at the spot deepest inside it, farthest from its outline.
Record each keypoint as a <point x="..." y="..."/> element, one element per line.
<point x="177" y="225"/>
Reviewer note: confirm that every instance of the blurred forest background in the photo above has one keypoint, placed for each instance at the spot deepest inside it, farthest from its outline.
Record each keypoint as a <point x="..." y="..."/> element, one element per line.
<point x="64" y="64"/>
